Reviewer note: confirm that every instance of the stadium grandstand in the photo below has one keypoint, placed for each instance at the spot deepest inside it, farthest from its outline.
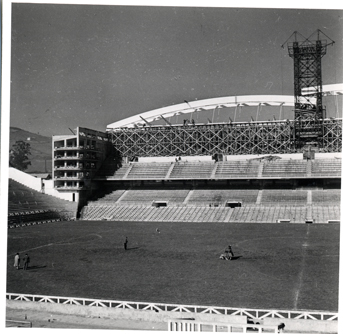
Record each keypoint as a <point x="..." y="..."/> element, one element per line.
<point x="158" y="170"/>
<point x="161" y="172"/>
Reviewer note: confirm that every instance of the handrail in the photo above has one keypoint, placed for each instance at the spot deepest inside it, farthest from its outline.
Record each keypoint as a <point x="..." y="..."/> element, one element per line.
<point x="220" y="310"/>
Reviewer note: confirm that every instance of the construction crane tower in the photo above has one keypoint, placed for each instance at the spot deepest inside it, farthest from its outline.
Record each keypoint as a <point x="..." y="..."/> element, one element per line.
<point x="309" y="111"/>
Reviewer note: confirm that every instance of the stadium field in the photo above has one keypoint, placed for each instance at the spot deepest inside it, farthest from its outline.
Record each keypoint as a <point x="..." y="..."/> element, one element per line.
<point x="276" y="266"/>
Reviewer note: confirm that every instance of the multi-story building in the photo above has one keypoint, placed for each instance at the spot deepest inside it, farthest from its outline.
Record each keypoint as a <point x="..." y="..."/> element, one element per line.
<point x="76" y="159"/>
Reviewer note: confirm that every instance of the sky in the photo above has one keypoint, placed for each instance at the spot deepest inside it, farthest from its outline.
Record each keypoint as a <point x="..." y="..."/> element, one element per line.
<point x="91" y="65"/>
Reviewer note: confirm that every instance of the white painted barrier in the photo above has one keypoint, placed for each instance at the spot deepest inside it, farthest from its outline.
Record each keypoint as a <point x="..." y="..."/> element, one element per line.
<point x="178" y="325"/>
<point x="25" y="179"/>
<point x="257" y="314"/>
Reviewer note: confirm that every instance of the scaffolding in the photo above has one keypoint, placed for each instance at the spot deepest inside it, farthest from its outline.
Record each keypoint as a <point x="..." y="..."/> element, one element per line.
<point x="309" y="112"/>
<point x="268" y="137"/>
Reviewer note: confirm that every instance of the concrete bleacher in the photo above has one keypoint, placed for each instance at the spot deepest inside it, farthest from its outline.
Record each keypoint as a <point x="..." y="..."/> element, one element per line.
<point x="265" y="201"/>
<point x="162" y="214"/>
<point x="268" y="214"/>
<point x="148" y="171"/>
<point x="231" y="169"/>
<point x="286" y="197"/>
<point x="237" y="169"/>
<point x="198" y="205"/>
<point x="325" y="214"/>
<point x="285" y="168"/>
<point x="120" y="173"/>
<point x="150" y="195"/>
<point x="113" y="196"/>
<point x="298" y="214"/>
<point x="192" y="170"/>
<point x="326" y="197"/>
<point x="326" y="167"/>
<point x="246" y="214"/>
<point x="215" y="196"/>
<point x="27" y="206"/>
<point x="204" y="197"/>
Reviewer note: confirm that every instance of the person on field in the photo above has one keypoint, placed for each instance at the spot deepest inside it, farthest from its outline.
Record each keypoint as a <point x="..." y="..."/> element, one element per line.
<point x="125" y="243"/>
<point x="225" y="255"/>
<point x="230" y="252"/>
<point x="281" y="328"/>
<point x="17" y="261"/>
<point x="26" y="261"/>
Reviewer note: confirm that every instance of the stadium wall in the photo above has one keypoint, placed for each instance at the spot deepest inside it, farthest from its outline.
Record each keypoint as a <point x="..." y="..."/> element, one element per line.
<point x="38" y="184"/>
<point x="68" y="196"/>
<point x="25" y="179"/>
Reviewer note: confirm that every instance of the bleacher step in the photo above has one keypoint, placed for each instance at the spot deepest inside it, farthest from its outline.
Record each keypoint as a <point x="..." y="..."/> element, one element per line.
<point x="127" y="172"/>
<point x="260" y="169"/>
<point x="309" y="197"/>
<point x="228" y="216"/>
<point x="188" y="197"/>
<point x="170" y="171"/>
<point x="309" y="168"/>
<point x="259" y="197"/>
<point x="214" y="171"/>
<point x="122" y="196"/>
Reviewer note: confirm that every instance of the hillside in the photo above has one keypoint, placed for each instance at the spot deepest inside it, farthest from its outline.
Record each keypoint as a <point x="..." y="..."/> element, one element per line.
<point x="41" y="147"/>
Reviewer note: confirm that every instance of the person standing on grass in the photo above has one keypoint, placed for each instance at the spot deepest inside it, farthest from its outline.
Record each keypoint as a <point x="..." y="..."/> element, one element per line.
<point x="26" y="261"/>
<point x="125" y="243"/>
<point x="16" y="260"/>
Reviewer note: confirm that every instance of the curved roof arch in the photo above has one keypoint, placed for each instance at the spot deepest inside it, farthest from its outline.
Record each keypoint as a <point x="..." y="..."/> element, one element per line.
<point x="203" y="105"/>
<point x="217" y="103"/>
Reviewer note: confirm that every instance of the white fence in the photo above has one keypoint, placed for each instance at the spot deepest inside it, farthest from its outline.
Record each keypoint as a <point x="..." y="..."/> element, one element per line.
<point x="179" y="325"/>
<point x="257" y="314"/>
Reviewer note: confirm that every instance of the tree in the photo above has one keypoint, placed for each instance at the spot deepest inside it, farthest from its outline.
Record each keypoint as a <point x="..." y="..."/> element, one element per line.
<point x="19" y="155"/>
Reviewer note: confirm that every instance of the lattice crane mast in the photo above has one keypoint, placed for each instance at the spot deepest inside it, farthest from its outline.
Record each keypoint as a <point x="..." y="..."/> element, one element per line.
<point x="308" y="105"/>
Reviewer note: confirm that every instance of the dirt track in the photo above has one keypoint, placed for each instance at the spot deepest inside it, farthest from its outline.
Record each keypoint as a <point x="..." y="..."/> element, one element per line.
<point x="22" y="318"/>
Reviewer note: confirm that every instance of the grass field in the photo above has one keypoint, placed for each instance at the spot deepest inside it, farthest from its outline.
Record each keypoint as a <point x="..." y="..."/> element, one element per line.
<point x="277" y="266"/>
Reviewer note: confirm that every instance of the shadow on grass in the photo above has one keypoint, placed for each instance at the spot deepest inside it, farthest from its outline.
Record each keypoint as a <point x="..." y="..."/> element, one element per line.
<point x="233" y="258"/>
<point x="132" y="248"/>
<point x="35" y="267"/>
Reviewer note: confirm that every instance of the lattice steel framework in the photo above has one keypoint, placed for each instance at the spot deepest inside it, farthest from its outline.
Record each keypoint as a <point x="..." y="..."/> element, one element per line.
<point x="332" y="135"/>
<point x="272" y="137"/>
<point x="309" y="112"/>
